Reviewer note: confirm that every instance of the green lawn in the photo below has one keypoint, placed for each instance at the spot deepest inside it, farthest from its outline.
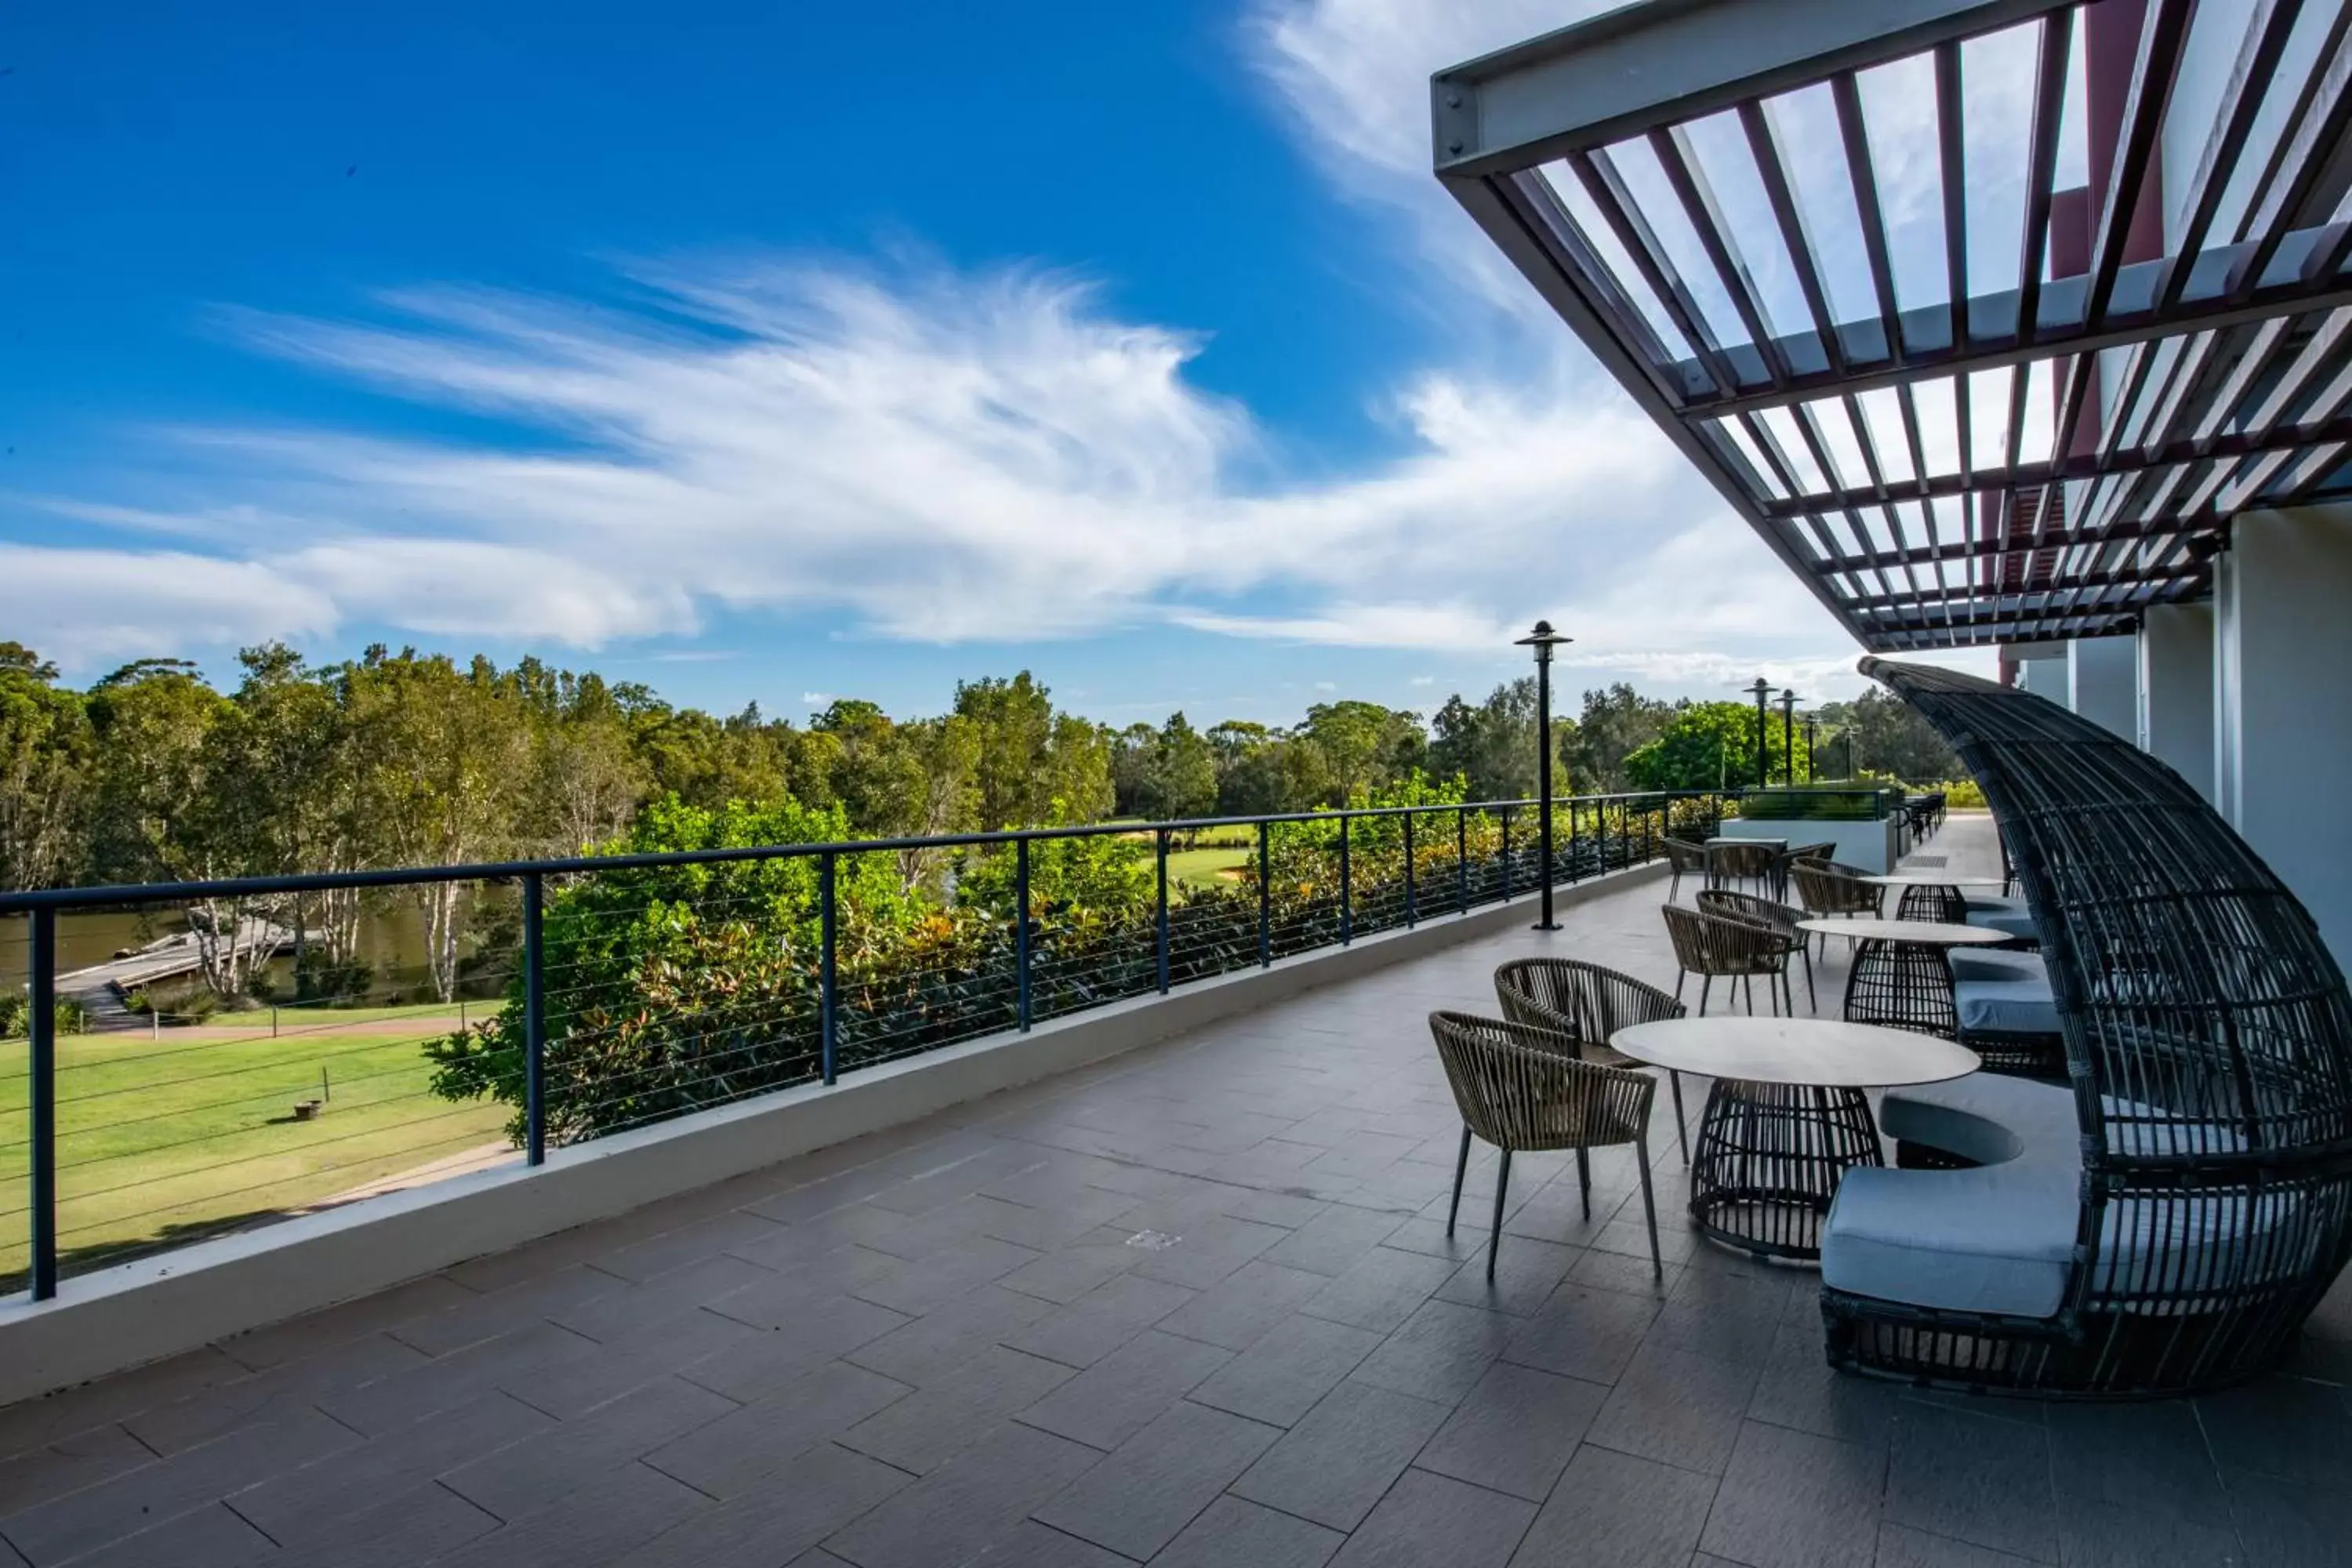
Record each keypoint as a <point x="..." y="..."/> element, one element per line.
<point x="178" y="1136"/>
<point x="1202" y="868"/>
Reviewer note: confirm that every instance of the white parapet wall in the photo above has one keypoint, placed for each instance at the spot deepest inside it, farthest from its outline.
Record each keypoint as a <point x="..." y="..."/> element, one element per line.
<point x="138" y="1312"/>
<point x="1865" y="846"/>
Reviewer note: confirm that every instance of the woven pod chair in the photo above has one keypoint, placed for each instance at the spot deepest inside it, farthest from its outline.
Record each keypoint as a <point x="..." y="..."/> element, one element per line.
<point x="1716" y="947"/>
<point x="1688" y="860"/>
<point x="1780" y="920"/>
<point x="1836" y="893"/>
<point x="1589" y="1005"/>
<point x="2187" y="1202"/>
<point x="1523" y="1089"/>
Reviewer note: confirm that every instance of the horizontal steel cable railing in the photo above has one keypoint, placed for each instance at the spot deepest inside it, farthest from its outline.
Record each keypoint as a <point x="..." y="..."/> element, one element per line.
<point x="599" y="992"/>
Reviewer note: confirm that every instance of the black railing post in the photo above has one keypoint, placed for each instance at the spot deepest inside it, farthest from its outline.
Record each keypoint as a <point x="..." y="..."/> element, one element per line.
<point x="1347" y="890"/>
<point x="1409" y="912"/>
<point x="1161" y="943"/>
<point x="1600" y="837"/>
<point x="1507" y="853"/>
<point x="42" y="1065"/>
<point x="1020" y="926"/>
<point x="1264" y="898"/>
<point x="534" y="1019"/>
<point x="828" y="980"/>
<point x="1461" y="856"/>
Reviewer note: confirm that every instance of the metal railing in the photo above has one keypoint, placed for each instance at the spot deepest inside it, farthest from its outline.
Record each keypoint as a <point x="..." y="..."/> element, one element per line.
<point x="617" y="990"/>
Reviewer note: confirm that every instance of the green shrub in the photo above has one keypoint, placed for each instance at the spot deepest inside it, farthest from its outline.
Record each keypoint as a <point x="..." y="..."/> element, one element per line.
<point x="16" y="1016"/>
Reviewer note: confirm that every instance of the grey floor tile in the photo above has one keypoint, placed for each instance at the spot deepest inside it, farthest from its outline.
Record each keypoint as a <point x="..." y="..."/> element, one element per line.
<point x="935" y="1344"/>
<point x="1048" y="1227"/>
<point x="313" y="1333"/>
<point x="1240" y="1308"/>
<point x="2292" y="1428"/>
<point x="1334" y="1240"/>
<point x="527" y="1353"/>
<point x="1427" y="1521"/>
<point x="1126" y="1391"/>
<point x="71" y="1463"/>
<point x="1615" y="1271"/>
<point x="659" y="1300"/>
<point x="2284" y="1525"/>
<point x="300" y="1501"/>
<point x="414" y="1526"/>
<point x="210" y="1537"/>
<point x="660" y="1351"/>
<point x="1440" y="1353"/>
<point x="803" y="1271"/>
<point x="2108" y="1535"/>
<point x="1974" y="1478"/>
<point x="1515" y="1431"/>
<point x="1677" y="1408"/>
<point x="2149" y="1458"/>
<point x="1334" y="1465"/>
<point x="1789" y="1500"/>
<point x="609" y="1516"/>
<point x="1615" y="1509"/>
<point x="1068" y="1273"/>
<point x="485" y="1316"/>
<point x="695" y="1243"/>
<point x="289" y="1388"/>
<point x="755" y="1368"/>
<point x="952" y="1514"/>
<point x="1136" y="1502"/>
<point x="824" y="1489"/>
<point x="752" y="1448"/>
<point x="1799" y="1389"/>
<point x="1583" y="1331"/>
<point x="535" y="1472"/>
<point x="1525" y="1273"/>
<point x="1099" y="1322"/>
<point x="923" y="1431"/>
<point x="932" y="1282"/>
<point x="1281" y="1377"/>
<point x="1231" y="1534"/>
<point x="1208" y="1250"/>
<point x="1899" y="1546"/>
<point x="1381" y="1290"/>
<point x="82" y="1521"/>
<point x="1029" y="1544"/>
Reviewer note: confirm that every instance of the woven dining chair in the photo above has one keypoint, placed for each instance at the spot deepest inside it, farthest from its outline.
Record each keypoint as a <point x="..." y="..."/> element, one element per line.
<point x="1524" y="1088"/>
<point x="1754" y="862"/>
<point x="1687" y="859"/>
<point x="1718" y="947"/>
<point x="1836" y="893"/>
<point x="1781" y="921"/>
<point x="1589" y="1005"/>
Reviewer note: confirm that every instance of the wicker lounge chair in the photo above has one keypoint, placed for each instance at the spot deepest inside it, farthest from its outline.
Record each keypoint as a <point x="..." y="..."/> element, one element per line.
<point x="1777" y="918"/>
<point x="1687" y="860"/>
<point x="1718" y="947"/>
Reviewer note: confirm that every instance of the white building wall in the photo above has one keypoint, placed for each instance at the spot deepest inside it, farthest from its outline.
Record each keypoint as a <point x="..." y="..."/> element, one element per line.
<point x="2103" y="683"/>
<point x="2176" y="691"/>
<point x="2043" y="678"/>
<point x="2283" y="702"/>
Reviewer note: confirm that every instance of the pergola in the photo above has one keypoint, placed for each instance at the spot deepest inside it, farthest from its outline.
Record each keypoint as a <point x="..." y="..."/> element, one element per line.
<point x="1835" y="251"/>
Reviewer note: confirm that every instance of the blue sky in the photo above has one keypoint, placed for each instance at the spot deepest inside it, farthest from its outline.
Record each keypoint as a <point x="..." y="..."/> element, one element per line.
<point x="777" y="352"/>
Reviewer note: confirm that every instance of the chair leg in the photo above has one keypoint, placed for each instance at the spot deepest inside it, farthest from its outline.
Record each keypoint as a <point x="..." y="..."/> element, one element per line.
<point x="1650" y="1208"/>
<point x="1584" y="1179"/>
<point x="1681" y="974"/>
<point x="1681" y="1129"/>
<point x="1495" y="1236"/>
<point x="1706" y="984"/>
<point x="1811" y="999"/>
<point x="1749" y="981"/>
<point x="1461" y="1168"/>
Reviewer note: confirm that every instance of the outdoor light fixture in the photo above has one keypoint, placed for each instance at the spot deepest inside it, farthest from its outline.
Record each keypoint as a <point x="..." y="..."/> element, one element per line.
<point x="1788" y="735"/>
<point x="1543" y="640"/>
<point x="1762" y="690"/>
<point x="1812" y="744"/>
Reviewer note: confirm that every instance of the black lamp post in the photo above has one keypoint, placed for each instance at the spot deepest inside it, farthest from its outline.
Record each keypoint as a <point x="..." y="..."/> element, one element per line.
<point x="1812" y="743"/>
<point x="1543" y="640"/>
<point x="1788" y="735"/>
<point x="1761" y="690"/>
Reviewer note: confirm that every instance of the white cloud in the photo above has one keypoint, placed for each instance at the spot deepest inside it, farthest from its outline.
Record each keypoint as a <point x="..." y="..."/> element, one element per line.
<point x="88" y="608"/>
<point x="955" y="457"/>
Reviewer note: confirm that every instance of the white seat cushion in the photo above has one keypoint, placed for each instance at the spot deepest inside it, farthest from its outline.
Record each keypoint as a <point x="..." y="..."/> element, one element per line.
<point x="1995" y="963"/>
<point x="2014" y="922"/>
<point x="2015" y="1007"/>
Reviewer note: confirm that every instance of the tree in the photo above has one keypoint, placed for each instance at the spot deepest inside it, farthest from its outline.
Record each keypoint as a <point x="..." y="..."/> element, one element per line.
<point x="1888" y="737"/>
<point x="1492" y="744"/>
<point x="47" y="754"/>
<point x="1364" y="746"/>
<point x="1182" y="778"/>
<point x="1710" y="746"/>
<point x="1034" y="766"/>
<point x="1616" y="722"/>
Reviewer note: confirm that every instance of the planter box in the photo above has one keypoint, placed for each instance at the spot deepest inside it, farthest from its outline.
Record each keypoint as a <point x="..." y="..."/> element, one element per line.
<point x="1864" y="845"/>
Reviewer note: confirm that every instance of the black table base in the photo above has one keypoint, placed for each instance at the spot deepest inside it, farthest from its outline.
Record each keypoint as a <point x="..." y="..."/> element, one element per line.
<point x="1768" y="1162"/>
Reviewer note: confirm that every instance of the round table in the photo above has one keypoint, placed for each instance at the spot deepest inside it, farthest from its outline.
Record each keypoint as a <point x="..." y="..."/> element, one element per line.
<point x="1786" y="1117"/>
<point x="1900" y="976"/>
<point x="1922" y="879"/>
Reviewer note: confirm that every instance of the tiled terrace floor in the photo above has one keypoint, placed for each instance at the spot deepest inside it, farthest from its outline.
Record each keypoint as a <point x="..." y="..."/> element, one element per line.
<point x="1193" y="1307"/>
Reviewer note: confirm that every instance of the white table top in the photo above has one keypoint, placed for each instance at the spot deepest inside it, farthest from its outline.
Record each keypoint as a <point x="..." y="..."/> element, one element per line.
<point x="1925" y="933"/>
<point x="1929" y="879"/>
<point x="1818" y="1051"/>
<point x="1768" y="843"/>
